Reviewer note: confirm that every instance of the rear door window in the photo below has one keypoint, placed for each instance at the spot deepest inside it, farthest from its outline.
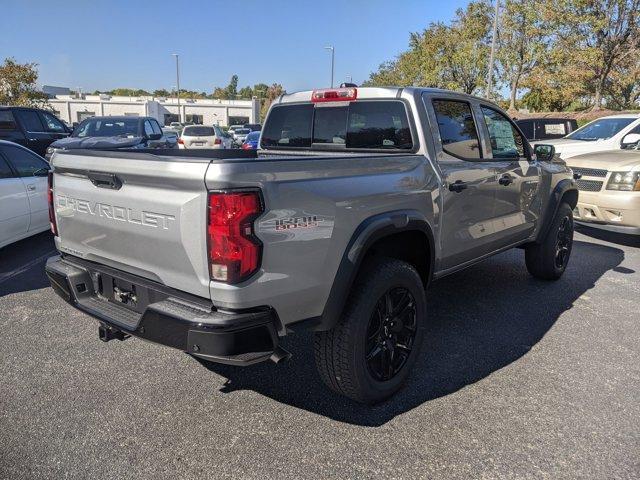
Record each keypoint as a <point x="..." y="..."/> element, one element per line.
<point x="360" y="125"/>
<point x="457" y="129"/>
<point x="30" y="120"/>
<point x="7" y="122"/>
<point x="23" y="161"/>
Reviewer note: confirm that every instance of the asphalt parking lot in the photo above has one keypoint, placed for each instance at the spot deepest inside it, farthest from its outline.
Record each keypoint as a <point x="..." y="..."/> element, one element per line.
<point x="519" y="379"/>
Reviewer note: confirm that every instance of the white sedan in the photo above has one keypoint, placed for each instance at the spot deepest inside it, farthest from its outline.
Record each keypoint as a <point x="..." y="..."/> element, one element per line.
<point x="24" y="210"/>
<point x="201" y="136"/>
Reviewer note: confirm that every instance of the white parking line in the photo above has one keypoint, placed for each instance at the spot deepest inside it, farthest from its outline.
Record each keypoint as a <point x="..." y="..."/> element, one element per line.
<point x="7" y="276"/>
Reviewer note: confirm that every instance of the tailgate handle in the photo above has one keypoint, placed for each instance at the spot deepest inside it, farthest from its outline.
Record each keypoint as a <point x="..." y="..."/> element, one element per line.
<point x="105" y="180"/>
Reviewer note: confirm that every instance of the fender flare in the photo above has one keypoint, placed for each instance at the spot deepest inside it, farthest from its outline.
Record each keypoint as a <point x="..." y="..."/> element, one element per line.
<point x="368" y="232"/>
<point x="555" y="199"/>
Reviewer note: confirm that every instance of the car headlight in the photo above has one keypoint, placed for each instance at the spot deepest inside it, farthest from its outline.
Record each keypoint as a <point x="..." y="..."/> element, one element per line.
<point x="625" y="181"/>
<point x="50" y="150"/>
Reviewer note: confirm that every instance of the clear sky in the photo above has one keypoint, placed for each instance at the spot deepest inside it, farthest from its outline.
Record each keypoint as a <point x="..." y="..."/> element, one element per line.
<point x="100" y="45"/>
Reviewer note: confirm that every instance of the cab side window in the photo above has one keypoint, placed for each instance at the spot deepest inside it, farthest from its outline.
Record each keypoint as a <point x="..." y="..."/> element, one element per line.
<point x="30" y="120"/>
<point x="24" y="162"/>
<point x="53" y="124"/>
<point x="156" y="127"/>
<point x="457" y="129"/>
<point x="5" y="171"/>
<point x="148" y="129"/>
<point x="506" y="141"/>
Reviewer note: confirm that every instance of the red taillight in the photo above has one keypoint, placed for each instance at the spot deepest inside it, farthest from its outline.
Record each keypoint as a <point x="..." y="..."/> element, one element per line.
<point x="245" y="146"/>
<point x="335" y="95"/>
<point x="217" y="141"/>
<point x="234" y="250"/>
<point x="52" y="212"/>
<point x="180" y="141"/>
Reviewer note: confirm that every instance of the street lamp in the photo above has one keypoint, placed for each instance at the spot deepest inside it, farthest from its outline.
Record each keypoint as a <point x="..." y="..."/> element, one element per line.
<point x="333" y="52"/>
<point x="178" y="84"/>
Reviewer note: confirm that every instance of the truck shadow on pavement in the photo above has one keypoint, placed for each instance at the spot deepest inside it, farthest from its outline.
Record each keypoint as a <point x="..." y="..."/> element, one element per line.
<point x="480" y="320"/>
<point x="613" y="237"/>
<point x="22" y="264"/>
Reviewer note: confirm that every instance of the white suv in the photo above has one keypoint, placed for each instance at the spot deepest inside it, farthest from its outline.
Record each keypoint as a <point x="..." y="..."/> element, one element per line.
<point x="201" y="136"/>
<point x="605" y="133"/>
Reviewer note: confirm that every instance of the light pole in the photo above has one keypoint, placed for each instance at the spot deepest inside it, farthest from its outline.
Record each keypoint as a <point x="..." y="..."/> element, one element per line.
<point x="333" y="52"/>
<point x="178" y="85"/>
<point x="487" y="92"/>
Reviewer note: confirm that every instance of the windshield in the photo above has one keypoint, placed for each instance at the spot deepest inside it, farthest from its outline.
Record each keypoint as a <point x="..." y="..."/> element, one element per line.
<point x="242" y="131"/>
<point x="358" y="125"/>
<point x="600" y="129"/>
<point x="198" y="132"/>
<point x="107" y="127"/>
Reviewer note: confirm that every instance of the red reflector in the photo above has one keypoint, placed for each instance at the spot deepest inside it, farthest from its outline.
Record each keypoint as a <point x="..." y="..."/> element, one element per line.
<point x="52" y="212"/>
<point x="245" y="146"/>
<point x="217" y="141"/>
<point x="180" y="141"/>
<point x="334" y="95"/>
<point x="234" y="250"/>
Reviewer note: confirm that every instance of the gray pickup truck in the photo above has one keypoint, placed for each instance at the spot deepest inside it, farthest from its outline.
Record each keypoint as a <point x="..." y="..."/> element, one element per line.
<point x="357" y="199"/>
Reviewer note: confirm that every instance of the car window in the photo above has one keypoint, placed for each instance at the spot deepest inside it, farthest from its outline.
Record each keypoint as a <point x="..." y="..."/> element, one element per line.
<point x="457" y="129"/>
<point x="5" y="171"/>
<point x="198" y="131"/>
<point x="30" y="120"/>
<point x="7" y="122"/>
<point x="107" y="127"/>
<point x="506" y="141"/>
<point x="156" y="127"/>
<point x="53" y="124"/>
<point x="148" y="129"/>
<point x="600" y="129"/>
<point x="24" y="162"/>
<point x="358" y="125"/>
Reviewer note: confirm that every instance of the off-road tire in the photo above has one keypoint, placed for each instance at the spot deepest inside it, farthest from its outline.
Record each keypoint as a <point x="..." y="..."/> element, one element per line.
<point x="542" y="258"/>
<point x="340" y="352"/>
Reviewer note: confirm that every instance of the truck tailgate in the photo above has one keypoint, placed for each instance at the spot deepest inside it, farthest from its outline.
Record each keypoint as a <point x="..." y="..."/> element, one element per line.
<point x="146" y="216"/>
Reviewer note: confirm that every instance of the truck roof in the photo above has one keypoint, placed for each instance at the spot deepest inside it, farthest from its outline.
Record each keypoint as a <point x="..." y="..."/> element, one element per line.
<point x="379" y="92"/>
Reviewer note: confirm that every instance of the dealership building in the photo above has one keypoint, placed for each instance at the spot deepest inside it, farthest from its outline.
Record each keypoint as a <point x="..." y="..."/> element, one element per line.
<point x="75" y="108"/>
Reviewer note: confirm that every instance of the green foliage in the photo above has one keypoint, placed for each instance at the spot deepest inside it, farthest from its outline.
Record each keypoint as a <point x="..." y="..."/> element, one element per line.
<point x="18" y="85"/>
<point x="564" y="54"/>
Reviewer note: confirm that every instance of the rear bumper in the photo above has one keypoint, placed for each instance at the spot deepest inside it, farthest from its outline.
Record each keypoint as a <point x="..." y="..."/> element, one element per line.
<point x="169" y="318"/>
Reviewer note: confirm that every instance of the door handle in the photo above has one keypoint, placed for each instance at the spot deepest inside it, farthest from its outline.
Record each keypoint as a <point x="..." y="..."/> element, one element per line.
<point x="458" y="186"/>
<point x="505" y="180"/>
<point x="31" y="187"/>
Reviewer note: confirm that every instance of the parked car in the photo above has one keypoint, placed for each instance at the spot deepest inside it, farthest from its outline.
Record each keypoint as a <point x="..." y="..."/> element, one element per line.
<point x="239" y="135"/>
<point x="233" y="128"/>
<point x="609" y="184"/>
<point x="105" y="133"/>
<point x="356" y="200"/>
<point x="546" y="128"/>
<point x="254" y="127"/>
<point x="24" y="210"/>
<point x="200" y="136"/>
<point x="606" y="133"/>
<point x="171" y="134"/>
<point x="251" y="142"/>
<point x="31" y="127"/>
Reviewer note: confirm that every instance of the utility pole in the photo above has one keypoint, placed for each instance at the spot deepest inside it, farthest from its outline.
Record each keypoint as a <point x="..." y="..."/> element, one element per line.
<point x="333" y="51"/>
<point x="487" y="92"/>
<point x="178" y="86"/>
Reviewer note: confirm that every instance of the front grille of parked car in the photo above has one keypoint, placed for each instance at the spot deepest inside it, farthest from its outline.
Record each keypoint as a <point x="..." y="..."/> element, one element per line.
<point x="590" y="172"/>
<point x="589" y="185"/>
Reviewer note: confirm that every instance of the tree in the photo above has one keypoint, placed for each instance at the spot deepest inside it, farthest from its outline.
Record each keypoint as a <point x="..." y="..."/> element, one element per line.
<point x="446" y="56"/>
<point x="273" y="92"/>
<point x="245" y="92"/>
<point x="18" y="85"/>
<point x="623" y="89"/>
<point x="522" y="43"/>
<point x="596" y="35"/>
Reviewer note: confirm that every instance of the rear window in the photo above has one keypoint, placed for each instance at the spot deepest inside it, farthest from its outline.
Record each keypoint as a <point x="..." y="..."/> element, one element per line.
<point x="7" y="122"/>
<point x="359" y="125"/>
<point x="198" y="132"/>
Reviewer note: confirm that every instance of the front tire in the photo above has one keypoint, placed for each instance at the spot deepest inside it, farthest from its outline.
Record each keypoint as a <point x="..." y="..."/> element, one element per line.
<point x="548" y="260"/>
<point x="369" y="354"/>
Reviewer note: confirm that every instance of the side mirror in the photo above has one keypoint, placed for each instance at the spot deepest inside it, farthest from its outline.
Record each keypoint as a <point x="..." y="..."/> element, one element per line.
<point x="154" y="136"/>
<point x="630" y="139"/>
<point x="544" y="152"/>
